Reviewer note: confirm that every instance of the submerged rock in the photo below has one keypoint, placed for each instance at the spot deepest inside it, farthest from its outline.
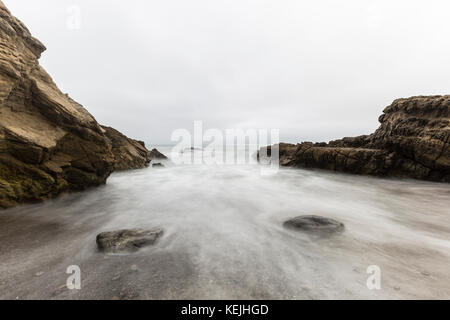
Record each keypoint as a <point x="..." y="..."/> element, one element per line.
<point x="127" y="240"/>
<point x="314" y="223"/>
<point x="49" y="143"/>
<point x="157" y="165"/>
<point x="413" y="141"/>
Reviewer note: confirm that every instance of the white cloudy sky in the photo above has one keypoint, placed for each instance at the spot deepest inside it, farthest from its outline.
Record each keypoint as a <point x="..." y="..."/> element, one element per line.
<point x="317" y="70"/>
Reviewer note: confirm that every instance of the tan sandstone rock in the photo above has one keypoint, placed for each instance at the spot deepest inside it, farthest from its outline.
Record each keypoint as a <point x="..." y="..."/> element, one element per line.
<point x="48" y="142"/>
<point x="128" y="153"/>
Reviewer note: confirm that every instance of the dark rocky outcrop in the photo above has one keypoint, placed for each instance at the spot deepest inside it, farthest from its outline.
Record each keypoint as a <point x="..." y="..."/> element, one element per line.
<point x="314" y="224"/>
<point x="48" y="142"/>
<point x="157" y="165"/>
<point x="127" y="240"/>
<point x="155" y="154"/>
<point x="412" y="142"/>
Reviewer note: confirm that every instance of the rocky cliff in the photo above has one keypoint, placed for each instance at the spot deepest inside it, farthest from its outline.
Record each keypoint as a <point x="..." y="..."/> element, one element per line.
<point x="48" y="142"/>
<point x="412" y="142"/>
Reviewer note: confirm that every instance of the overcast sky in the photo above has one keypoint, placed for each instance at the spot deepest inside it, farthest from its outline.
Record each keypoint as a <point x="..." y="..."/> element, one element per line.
<point x="316" y="70"/>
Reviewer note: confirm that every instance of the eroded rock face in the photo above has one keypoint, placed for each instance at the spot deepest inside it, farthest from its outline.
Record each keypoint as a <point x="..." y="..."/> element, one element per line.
<point x="127" y="240"/>
<point x="314" y="224"/>
<point x="48" y="142"/>
<point x="128" y="153"/>
<point x="412" y="142"/>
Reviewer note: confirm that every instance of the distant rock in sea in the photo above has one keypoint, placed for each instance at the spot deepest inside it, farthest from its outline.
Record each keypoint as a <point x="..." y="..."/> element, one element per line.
<point x="49" y="143"/>
<point x="412" y="142"/>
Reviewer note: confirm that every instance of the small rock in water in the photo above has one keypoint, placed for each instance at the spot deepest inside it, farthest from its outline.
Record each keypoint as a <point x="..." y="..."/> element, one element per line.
<point x="39" y="274"/>
<point x="134" y="268"/>
<point x="314" y="223"/>
<point x="157" y="165"/>
<point x="127" y="240"/>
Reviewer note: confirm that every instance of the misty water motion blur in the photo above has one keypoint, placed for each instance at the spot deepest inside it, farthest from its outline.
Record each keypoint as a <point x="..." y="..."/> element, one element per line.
<point x="224" y="237"/>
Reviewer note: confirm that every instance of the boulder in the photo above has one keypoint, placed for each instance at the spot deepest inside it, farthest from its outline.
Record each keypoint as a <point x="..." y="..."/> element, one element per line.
<point x="314" y="224"/>
<point x="127" y="240"/>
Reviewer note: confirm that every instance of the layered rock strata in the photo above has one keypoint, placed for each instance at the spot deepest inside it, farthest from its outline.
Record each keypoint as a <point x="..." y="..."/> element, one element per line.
<point x="49" y="143"/>
<point x="412" y="142"/>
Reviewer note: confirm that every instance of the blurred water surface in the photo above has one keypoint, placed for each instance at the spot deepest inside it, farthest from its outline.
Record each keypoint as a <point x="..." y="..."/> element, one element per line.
<point x="224" y="237"/>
